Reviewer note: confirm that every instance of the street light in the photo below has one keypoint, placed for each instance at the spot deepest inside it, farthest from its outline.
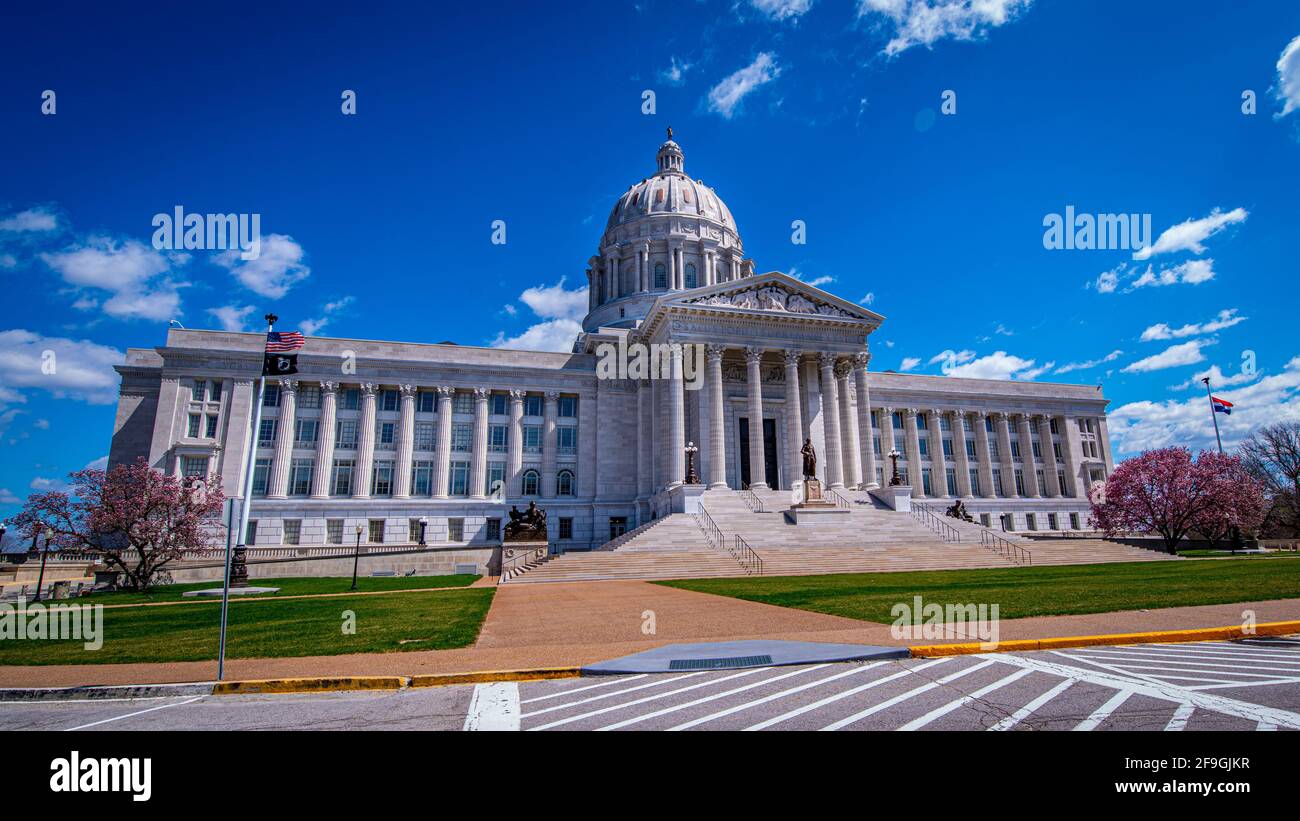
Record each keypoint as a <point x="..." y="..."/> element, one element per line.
<point x="356" y="557"/>
<point x="424" y="522"/>
<point x="40" y="580"/>
<point x="691" y="477"/>
<point x="893" y="457"/>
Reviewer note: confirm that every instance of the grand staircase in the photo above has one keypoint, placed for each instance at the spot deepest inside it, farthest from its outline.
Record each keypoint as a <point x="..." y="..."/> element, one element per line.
<point x="869" y="538"/>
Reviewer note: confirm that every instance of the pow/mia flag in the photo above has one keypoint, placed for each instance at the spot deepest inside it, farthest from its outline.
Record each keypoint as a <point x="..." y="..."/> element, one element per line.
<point x="279" y="359"/>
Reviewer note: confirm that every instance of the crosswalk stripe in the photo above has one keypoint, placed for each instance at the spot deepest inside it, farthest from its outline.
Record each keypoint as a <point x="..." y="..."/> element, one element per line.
<point x="1103" y="712"/>
<point x="706" y="699"/>
<point x="1179" y="720"/>
<point x="1219" y="650"/>
<point x="1265" y="726"/>
<point x="898" y="699"/>
<point x="561" y="722"/>
<point x="590" y="699"/>
<point x="1186" y="661"/>
<point x="816" y="705"/>
<point x="775" y="696"/>
<point x="493" y="707"/>
<point x="940" y="712"/>
<point x="1195" y="667"/>
<point x="619" y="680"/>
<point x="1032" y="707"/>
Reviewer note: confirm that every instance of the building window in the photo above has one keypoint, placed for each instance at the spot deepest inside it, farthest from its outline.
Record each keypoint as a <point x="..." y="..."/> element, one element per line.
<point x="875" y="446"/>
<point x="455" y="530"/>
<point x="1074" y="521"/>
<point x="923" y="445"/>
<point x="426" y="402"/>
<point x="531" y="483"/>
<point x="194" y="467"/>
<point x="493" y="530"/>
<point x="568" y="407"/>
<point x="926" y="485"/>
<point x="921" y="424"/>
<point x="897" y="420"/>
<point x="261" y="470"/>
<point x="376" y="535"/>
<point x="498" y="438"/>
<point x="382" y="479"/>
<point x="1009" y="521"/>
<point x="988" y="424"/>
<point x="1056" y="450"/>
<point x="385" y="435"/>
<point x="1052" y="522"/>
<point x="250" y="537"/>
<point x="193" y="430"/>
<point x="617" y="526"/>
<point x="994" y="449"/>
<point x="300" y="473"/>
<point x="211" y="432"/>
<point x="350" y="399"/>
<point x="965" y="423"/>
<point x="496" y="479"/>
<point x="1038" y="452"/>
<point x="567" y="439"/>
<point x="533" y="405"/>
<point x="970" y="448"/>
<point x="566" y="528"/>
<point x="532" y="439"/>
<point x="197" y="390"/>
<point x="413" y="531"/>
<point x="271" y="399"/>
<point x="690" y="275"/>
<point x="462" y="402"/>
<point x="309" y="396"/>
<point x="424" y="436"/>
<point x="661" y="275"/>
<point x="997" y="483"/>
<point x="305" y="432"/>
<point x="947" y="448"/>
<point x="1060" y="480"/>
<point x="1042" y="483"/>
<point x="292" y="531"/>
<point x="564" y="483"/>
<point x="951" y="476"/>
<point x="388" y="400"/>
<point x="334" y="531"/>
<point x="986" y="519"/>
<point x="460" y="478"/>
<point x="497" y="404"/>
<point x="345" y="434"/>
<point x="975" y="482"/>
<point x="214" y="390"/>
<point x="342" y="481"/>
<point x="1015" y="449"/>
<point x="1031" y="521"/>
<point x="266" y="433"/>
<point x="1052" y="425"/>
<point x="945" y="424"/>
<point x="422" y="478"/>
<point x="1020" y="482"/>
<point x="461" y="436"/>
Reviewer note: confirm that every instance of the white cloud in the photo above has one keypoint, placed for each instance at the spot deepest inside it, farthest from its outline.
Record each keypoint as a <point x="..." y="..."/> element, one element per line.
<point x="554" y="302"/>
<point x="561" y="311"/>
<point x="31" y="220"/>
<point x="98" y="464"/>
<point x="41" y="424"/>
<point x="1187" y="353"/>
<point x="868" y="299"/>
<point x="951" y="358"/>
<point x="1108" y="281"/>
<point x="782" y="9"/>
<point x="551" y="335"/>
<point x="1191" y="272"/>
<point x="1287" y="89"/>
<point x="1226" y="319"/>
<point x="727" y="95"/>
<point x="997" y="365"/>
<point x="80" y="369"/>
<point x="675" y="74"/>
<point x="1217" y="379"/>
<point x="231" y="317"/>
<point x="909" y="362"/>
<point x="925" y="22"/>
<point x="1091" y="363"/>
<point x="1140" y="426"/>
<point x="311" y="327"/>
<point x="133" y="274"/>
<point x="8" y="498"/>
<point x="278" y="267"/>
<point x="1188" y="235"/>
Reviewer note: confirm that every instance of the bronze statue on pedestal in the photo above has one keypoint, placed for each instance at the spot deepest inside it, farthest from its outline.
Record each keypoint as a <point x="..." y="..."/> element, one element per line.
<point x="528" y="526"/>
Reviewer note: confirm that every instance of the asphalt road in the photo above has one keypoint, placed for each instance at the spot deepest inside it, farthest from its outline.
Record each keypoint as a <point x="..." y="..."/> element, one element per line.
<point x="1245" y="685"/>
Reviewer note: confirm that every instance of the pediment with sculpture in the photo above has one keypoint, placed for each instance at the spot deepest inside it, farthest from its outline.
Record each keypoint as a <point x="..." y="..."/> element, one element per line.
<point x="771" y="297"/>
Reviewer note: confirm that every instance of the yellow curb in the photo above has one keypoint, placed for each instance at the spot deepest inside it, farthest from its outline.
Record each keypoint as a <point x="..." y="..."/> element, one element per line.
<point x="1275" y="628"/>
<point x="536" y="674"/>
<point x="308" y="685"/>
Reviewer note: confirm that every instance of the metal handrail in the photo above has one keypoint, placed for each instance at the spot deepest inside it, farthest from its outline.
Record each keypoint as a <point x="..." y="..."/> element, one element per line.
<point x="1000" y="545"/>
<point x="838" y="498"/>
<point x="711" y="530"/>
<point x="751" y="498"/>
<point x="743" y="553"/>
<point x="925" y="516"/>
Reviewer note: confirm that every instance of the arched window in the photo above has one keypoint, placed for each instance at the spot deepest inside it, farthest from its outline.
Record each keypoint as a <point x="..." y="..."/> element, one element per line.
<point x="661" y="275"/>
<point x="690" y="275"/>
<point x="531" y="483"/>
<point x="564" y="483"/>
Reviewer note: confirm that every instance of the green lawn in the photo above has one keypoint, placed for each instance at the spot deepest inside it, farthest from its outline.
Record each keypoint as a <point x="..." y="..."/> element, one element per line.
<point x="1023" y="591"/>
<point x="288" y="587"/>
<point x="1206" y="553"/>
<point x="272" y="628"/>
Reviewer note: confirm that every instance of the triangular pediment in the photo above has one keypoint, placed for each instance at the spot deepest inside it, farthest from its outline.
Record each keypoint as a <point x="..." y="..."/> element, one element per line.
<point x="773" y="293"/>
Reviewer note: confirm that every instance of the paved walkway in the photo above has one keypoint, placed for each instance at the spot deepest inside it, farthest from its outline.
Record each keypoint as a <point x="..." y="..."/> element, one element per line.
<point x="549" y="625"/>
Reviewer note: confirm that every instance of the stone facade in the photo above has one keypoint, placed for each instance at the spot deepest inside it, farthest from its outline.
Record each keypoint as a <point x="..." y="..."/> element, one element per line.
<point x="377" y="436"/>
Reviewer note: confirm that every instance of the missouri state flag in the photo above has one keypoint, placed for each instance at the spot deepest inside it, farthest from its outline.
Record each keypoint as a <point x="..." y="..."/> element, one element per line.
<point x="280" y="359"/>
<point x="1221" y="405"/>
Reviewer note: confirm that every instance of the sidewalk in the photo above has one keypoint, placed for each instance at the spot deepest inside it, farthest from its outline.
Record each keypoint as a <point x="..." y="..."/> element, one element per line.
<point x="553" y="625"/>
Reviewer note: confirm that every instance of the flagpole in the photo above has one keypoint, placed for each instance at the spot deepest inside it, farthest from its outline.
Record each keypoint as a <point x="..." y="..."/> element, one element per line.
<point x="1214" y="416"/>
<point x="255" y="416"/>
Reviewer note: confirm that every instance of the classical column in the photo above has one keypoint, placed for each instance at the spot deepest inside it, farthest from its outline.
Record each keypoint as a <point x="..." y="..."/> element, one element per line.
<point x="938" y="465"/>
<point x="1103" y="436"/>
<point x="866" y="443"/>
<point x="887" y="442"/>
<point x="478" y="458"/>
<point x="754" y="383"/>
<point x="1069" y="427"/>
<point x="793" y="419"/>
<point x="849" y="448"/>
<point x="831" y="422"/>
<point x="1008" y="464"/>
<point x="676" y="420"/>
<point x="278" y="486"/>
<point x="329" y="402"/>
<point x="515" y="446"/>
<point x="1053" y="488"/>
<point x="550" y="442"/>
<point x="982" y="456"/>
<point x="717" y="419"/>
<point x="913" y="439"/>
<point x="959" y="453"/>
<point x="365" y="443"/>
<point x="646" y="275"/>
<point x="1027" y="456"/>
<point x="405" y="442"/>
<point x="442" y="458"/>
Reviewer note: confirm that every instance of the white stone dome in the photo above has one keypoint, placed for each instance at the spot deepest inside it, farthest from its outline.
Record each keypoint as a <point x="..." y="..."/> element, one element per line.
<point x="670" y="191"/>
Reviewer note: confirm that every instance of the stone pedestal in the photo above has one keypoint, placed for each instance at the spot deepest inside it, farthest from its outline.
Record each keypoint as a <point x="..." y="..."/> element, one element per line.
<point x="896" y="497"/>
<point x="815" y="508"/>
<point x="515" y="556"/>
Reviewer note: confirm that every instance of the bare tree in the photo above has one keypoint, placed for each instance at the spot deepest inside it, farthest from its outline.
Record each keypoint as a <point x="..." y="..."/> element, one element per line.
<point x="1272" y="455"/>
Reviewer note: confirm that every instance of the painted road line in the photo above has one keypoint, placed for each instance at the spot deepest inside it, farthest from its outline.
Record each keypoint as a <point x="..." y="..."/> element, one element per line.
<point x="1169" y="674"/>
<point x="715" y="697"/>
<point x="137" y="713"/>
<point x="1193" y="666"/>
<point x="583" y="689"/>
<point x="898" y="699"/>
<point x="494" y="707"/>
<point x="1183" y="661"/>
<point x="1179" y="720"/>
<point x="1231" y="649"/>
<point x="940" y="712"/>
<point x="817" y="705"/>
<point x="1032" y="707"/>
<point x="1103" y="712"/>
<point x="1166" y="678"/>
<point x="775" y="696"/>
<point x="1266" y="727"/>
<point x="1162" y="690"/>
<point x="644" y="700"/>
<point x="590" y="699"/>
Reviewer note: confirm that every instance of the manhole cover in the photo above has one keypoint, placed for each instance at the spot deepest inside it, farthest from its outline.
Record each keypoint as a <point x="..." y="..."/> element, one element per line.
<point x="719" y="664"/>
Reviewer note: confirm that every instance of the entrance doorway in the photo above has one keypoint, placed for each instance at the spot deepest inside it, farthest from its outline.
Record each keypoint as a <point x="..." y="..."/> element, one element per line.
<point x="769" y="452"/>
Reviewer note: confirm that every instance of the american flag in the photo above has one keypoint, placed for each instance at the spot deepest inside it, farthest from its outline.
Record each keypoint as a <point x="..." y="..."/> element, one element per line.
<point x="277" y="342"/>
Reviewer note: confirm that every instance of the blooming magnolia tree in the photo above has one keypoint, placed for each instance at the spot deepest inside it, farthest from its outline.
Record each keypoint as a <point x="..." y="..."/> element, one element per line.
<point x="1168" y="492"/>
<point x="136" y="519"/>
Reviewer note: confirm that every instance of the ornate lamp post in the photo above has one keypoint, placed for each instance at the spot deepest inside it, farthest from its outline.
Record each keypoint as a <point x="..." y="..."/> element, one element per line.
<point x="40" y="580"/>
<point x="893" y="457"/>
<point x="691" y="477"/>
<point x="424" y="523"/>
<point x="4" y="528"/>
<point x="356" y="557"/>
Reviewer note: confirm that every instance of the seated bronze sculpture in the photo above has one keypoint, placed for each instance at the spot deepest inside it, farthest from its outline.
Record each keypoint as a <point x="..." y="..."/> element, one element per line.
<point x="528" y="526"/>
<point x="958" y="511"/>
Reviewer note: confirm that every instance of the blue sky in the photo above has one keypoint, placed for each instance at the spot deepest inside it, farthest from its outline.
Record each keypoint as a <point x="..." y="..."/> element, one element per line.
<point x="378" y="225"/>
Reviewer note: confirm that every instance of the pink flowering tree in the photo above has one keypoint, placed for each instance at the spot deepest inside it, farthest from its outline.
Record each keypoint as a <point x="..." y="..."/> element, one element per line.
<point x="1167" y="492"/>
<point x="134" y="518"/>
